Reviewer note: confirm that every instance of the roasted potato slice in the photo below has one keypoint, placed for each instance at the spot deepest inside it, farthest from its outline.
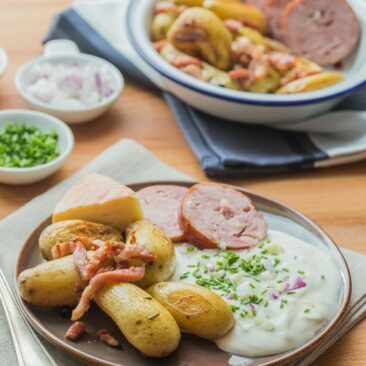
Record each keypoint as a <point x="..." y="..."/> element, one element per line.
<point x="189" y="2"/>
<point x="210" y="73"/>
<point x="145" y="323"/>
<point x="200" y="33"/>
<point x="64" y="231"/>
<point x="196" y="309"/>
<point x="248" y="14"/>
<point x="310" y="83"/>
<point x="255" y="37"/>
<point x="218" y="77"/>
<point x="151" y="237"/>
<point x="267" y="85"/>
<point x="199" y="2"/>
<point x="160" y="25"/>
<point x="51" y="283"/>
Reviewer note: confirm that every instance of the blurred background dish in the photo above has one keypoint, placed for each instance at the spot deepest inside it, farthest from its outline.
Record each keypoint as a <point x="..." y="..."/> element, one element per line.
<point x="33" y="146"/>
<point x="70" y="85"/>
<point x="242" y="106"/>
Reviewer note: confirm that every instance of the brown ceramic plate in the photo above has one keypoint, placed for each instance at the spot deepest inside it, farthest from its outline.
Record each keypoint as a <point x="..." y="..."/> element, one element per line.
<point x="192" y="350"/>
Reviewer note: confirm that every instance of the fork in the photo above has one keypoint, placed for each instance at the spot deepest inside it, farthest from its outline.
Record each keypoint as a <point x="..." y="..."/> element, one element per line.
<point x="29" y="350"/>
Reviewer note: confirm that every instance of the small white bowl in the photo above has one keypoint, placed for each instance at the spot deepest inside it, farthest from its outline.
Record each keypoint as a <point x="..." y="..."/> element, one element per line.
<point x="240" y="106"/>
<point x="3" y="61"/>
<point x="45" y="122"/>
<point x="65" y="51"/>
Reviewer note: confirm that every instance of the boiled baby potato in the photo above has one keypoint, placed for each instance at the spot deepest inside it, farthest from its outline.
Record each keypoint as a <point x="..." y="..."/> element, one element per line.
<point x="64" y="231"/>
<point x="146" y="234"/>
<point x="200" y="33"/>
<point x="160" y="25"/>
<point x="246" y="13"/>
<point x="51" y="283"/>
<point x="145" y="323"/>
<point x="310" y="83"/>
<point x="196" y="309"/>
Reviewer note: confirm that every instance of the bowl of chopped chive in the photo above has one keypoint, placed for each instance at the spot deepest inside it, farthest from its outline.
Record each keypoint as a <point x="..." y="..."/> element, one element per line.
<point x="33" y="145"/>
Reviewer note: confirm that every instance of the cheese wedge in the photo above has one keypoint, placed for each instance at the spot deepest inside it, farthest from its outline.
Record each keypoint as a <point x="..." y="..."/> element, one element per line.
<point x="100" y="199"/>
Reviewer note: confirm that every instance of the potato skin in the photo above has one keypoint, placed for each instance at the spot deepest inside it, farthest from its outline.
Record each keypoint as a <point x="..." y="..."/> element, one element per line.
<point x="63" y="231"/>
<point x="199" y="32"/>
<point x="144" y="233"/>
<point x="51" y="283"/>
<point x="145" y="323"/>
<point x="160" y="25"/>
<point x="196" y="309"/>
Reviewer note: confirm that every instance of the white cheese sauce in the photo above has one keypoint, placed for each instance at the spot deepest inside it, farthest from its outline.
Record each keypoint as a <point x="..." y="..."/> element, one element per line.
<point x="281" y="292"/>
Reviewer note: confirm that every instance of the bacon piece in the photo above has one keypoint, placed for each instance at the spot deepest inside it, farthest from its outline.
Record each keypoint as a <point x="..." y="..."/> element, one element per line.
<point x="239" y="74"/>
<point x="298" y="74"/>
<point x="63" y="249"/>
<point x="258" y="69"/>
<point x="282" y="61"/>
<point x="76" y="331"/>
<point x="186" y="60"/>
<point x="233" y="25"/>
<point x="158" y="46"/>
<point x="168" y="7"/>
<point x="80" y="256"/>
<point x="132" y="274"/>
<point x="107" y="338"/>
<point x="304" y="74"/>
<point x="134" y="251"/>
<point x="194" y="70"/>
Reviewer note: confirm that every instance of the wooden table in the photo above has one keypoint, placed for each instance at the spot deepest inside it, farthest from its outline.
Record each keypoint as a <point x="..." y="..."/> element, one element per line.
<point x="335" y="198"/>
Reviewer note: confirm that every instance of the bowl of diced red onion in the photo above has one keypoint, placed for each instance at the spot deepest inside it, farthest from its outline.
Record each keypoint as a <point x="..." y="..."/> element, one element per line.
<point x="70" y="85"/>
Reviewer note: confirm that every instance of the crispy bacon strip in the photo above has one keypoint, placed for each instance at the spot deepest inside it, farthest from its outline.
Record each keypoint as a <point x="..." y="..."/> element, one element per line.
<point x="75" y="332"/>
<point x="132" y="274"/>
<point x="63" y="249"/>
<point x="233" y="25"/>
<point x="159" y="45"/>
<point x="282" y="61"/>
<point x="168" y="7"/>
<point x="107" y="338"/>
<point x="185" y="60"/>
<point x="134" y="251"/>
<point x="238" y="74"/>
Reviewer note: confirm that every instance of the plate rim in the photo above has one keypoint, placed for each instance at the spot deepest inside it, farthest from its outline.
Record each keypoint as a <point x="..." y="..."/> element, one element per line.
<point x="283" y="358"/>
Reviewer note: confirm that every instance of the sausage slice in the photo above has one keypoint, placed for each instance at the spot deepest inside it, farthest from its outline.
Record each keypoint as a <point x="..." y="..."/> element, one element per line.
<point x="161" y="205"/>
<point x="273" y="11"/>
<point x="215" y="215"/>
<point x="325" y="31"/>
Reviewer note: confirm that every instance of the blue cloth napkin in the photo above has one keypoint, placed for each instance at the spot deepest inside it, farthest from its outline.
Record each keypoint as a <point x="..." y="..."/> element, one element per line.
<point x="223" y="148"/>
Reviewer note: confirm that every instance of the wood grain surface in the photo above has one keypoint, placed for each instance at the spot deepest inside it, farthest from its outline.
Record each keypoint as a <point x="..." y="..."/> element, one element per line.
<point x="335" y="198"/>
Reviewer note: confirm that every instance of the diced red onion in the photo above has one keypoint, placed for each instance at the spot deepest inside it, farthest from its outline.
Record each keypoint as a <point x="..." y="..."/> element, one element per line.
<point x="98" y="80"/>
<point x="299" y="283"/>
<point x="71" y="84"/>
<point x="211" y="267"/>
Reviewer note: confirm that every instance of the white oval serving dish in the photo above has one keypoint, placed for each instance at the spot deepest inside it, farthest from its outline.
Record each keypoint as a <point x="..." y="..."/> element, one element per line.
<point x="269" y="109"/>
